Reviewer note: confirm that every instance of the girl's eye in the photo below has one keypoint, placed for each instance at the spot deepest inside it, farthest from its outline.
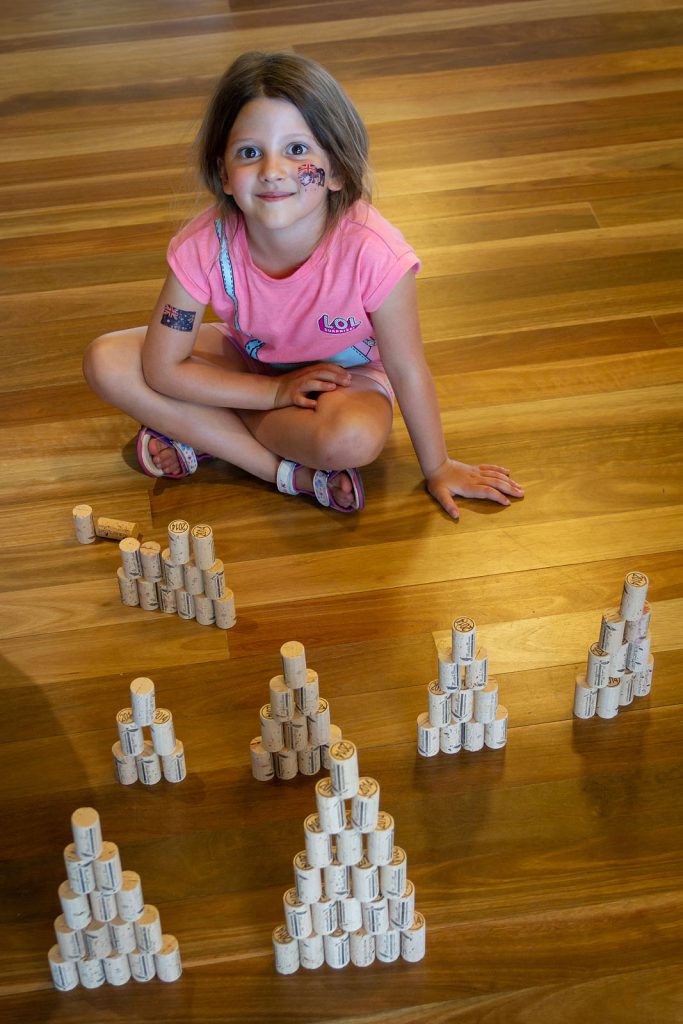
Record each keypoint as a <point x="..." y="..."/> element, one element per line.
<point x="248" y="152"/>
<point x="298" y="148"/>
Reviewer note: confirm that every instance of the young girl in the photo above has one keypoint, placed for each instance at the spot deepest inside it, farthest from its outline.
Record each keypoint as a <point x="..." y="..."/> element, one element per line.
<point x="316" y="298"/>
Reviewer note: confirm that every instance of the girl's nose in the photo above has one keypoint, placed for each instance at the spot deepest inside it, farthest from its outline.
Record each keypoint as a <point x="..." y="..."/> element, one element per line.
<point x="271" y="167"/>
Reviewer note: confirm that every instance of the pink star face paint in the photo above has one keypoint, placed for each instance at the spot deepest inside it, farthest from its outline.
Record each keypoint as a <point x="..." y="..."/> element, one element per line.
<point x="309" y="175"/>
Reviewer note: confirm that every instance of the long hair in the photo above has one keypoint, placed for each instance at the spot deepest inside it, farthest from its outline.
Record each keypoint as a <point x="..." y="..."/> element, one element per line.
<point x="328" y="112"/>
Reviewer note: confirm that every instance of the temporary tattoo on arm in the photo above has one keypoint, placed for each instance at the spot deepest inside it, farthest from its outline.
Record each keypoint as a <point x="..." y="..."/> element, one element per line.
<point x="309" y="174"/>
<point x="178" y="319"/>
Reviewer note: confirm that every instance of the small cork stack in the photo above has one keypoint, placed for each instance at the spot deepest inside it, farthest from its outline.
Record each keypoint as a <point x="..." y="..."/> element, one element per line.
<point x="106" y="932"/>
<point x="352" y="900"/>
<point x="463" y="710"/>
<point x="620" y="666"/>
<point x="145" y="758"/>
<point x="296" y="732"/>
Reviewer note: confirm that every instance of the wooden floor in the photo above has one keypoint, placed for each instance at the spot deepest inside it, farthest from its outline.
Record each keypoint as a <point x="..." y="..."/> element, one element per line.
<point x="531" y="151"/>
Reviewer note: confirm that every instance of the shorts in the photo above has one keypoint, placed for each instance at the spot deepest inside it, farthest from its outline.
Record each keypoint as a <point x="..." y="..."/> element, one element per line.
<point x="374" y="372"/>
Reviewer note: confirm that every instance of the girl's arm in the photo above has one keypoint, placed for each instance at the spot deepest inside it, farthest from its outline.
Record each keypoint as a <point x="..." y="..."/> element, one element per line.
<point x="397" y="330"/>
<point x="171" y="367"/>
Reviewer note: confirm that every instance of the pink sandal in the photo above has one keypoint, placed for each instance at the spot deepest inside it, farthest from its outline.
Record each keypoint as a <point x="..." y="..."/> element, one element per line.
<point x="322" y="479"/>
<point x="187" y="456"/>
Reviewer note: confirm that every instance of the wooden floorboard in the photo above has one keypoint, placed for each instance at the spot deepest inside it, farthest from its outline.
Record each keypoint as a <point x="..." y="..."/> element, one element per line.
<point x="532" y="152"/>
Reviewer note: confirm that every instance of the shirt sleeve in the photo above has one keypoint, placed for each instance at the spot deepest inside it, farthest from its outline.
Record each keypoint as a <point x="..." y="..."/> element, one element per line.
<point x="383" y="258"/>
<point x="186" y="256"/>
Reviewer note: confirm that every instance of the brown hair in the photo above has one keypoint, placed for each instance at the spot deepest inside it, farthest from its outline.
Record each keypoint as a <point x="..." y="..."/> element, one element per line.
<point x="327" y="110"/>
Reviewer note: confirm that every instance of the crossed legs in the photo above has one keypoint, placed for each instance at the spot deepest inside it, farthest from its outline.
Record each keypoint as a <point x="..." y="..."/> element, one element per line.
<point x="349" y="426"/>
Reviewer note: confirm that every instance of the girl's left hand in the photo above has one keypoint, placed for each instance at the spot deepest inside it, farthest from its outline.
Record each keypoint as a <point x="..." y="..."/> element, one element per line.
<point x="491" y="482"/>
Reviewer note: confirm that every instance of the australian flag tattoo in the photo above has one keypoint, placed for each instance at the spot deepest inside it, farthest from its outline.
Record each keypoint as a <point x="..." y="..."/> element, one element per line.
<point x="177" y="319"/>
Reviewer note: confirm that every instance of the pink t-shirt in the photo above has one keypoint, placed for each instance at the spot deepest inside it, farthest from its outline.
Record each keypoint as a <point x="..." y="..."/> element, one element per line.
<point x="320" y="312"/>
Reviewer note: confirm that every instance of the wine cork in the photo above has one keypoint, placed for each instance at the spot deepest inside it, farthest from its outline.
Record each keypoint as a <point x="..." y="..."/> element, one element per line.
<point x="131" y="737"/>
<point x="108" y="868"/>
<point x="64" y="972"/>
<point x="626" y="689"/>
<point x="295" y="732"/>
<point x="148" y="929"/>
<point x="330" y="807"/>
<point x="324" y="916"/>
<point x="376" y="915"/>
<point x="393" y="876"/>
<point x="365" y="805"/>
<point x="364" y="880"/>
<point x="115" y="529"/>
<point x="214" y="580"/>
<point x="116" y="968"/>
<point x="337" y="880"/>
<point x="297" y="915"/>
<point x="286" y="951"/>
<point x="450" y="675"/>
<point x="306" y="696"/>
<point x="611" y="630"/>
<point x="413" y="940"/>
<point x="103" y="905"/>
<point x="450" y="737"/>
<point x="147" y="595"/>
<point x="224" y="610"/>
<point x="486" y="702"/>
<point x="642" y="681"/>
<point x="294" y="663"/>
<point x="87" y="831"/>
<point x="307" y="879"/>
<point x="638" y="627"/>
<point x="286" y="763"/>
<point x="585" y="697"/>
<point x="271" y="730"/>
<point x="142" y="965"/>
<point x="129" y="898"/>
<point x="184" y="603"/>
<point x="344" y="768"/>
<point x="311" y="951"/>
<point x="80" y="873"/>
<point x="203" y="610"/>
<point x="122" y="935"/>
<point x="380" y="842"/>
<point x="179" y="541"/>
<point x="84" y="524"/>
<point x="128" y="589"/>
<point x="193" y="581"/>
<point x="633" y="596"/>
<point x="143" y="700"/>
<point x="361" y="948"/>
<point x="203" y="550"/>
<point x="129" y="549"/>
<point x="167" y="599"/>
<point x="477" y="670"/>
<point x="308" y="760"/>
<point x="618" y="660"/>
<point x="402" y="908"/>
<point x="462" y="705"/>
<point x="388" y="946"/>
<point x="281" y="699"/>
<point x="167" y="960"/>
<point x="75" y="907"/>
<point x="69" y="940"/>
<point x="638" y="653"/>
<point x="149" y="765"/>
<point x="173" y="765"/>
<point x="473" y="735"/>
<point x="337" y="949"/>
<point x="608" y="699"/>
<point x="261" y="761"/>
<point x="496" y="732"/>
<point x="464" y="639"/>
<point x="349" y="845"/>
<point x="335" y="736"/>
<point x="439" y="705"/>
<point x="173" y="573"/>
<point x="150" y="558"/>
<point x="427" y="736"/>
<point x="597" y="671"/>
<point x="97" y="939"/>
<point x="91" y="972"/>
<point x="318" y="722"/>
<point x="318" y="843"/>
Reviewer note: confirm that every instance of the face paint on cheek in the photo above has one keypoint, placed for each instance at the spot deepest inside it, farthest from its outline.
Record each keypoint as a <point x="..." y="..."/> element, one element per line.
<point x="309" y="174"/>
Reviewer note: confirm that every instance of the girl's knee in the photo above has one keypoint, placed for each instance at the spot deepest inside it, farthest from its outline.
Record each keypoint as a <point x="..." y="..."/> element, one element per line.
<point x="106" y="361"/>
<point x="352" y="440"/>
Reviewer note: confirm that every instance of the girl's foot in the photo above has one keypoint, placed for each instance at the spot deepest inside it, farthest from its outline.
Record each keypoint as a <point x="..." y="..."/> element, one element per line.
<point x="164" y="456"/>
<point x="340" y="486"/>
<point x="340" y="489"/>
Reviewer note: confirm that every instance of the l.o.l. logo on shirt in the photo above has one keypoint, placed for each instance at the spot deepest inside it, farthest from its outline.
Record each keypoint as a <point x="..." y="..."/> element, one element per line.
<point x="340" y="324"/>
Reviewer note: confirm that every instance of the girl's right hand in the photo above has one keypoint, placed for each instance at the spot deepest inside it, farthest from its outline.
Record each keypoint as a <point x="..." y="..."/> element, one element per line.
<point x="295" y="387"/>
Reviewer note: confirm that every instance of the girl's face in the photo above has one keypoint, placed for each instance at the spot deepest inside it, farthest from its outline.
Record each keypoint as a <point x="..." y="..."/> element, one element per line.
<point x="275" y="169"/>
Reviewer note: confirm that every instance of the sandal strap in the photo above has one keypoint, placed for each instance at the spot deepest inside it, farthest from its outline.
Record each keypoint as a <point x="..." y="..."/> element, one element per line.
<point x="285" y="477"/>
<point x="321" y="486"/>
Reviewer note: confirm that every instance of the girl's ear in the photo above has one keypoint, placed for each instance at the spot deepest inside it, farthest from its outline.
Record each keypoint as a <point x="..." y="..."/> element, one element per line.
<point x="224" y="178"/>
<point x="334" y="182"/>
